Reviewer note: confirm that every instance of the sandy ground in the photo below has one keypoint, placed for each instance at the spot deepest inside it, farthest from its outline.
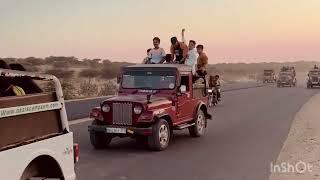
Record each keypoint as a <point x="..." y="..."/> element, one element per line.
<point x="299" y="158"/>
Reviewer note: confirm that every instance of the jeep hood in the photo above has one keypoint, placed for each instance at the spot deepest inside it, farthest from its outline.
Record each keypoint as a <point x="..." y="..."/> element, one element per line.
<point x="140" y="99"/>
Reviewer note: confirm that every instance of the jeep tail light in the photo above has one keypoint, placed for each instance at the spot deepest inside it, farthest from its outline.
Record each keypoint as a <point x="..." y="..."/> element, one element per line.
<point x="76" y="152"/>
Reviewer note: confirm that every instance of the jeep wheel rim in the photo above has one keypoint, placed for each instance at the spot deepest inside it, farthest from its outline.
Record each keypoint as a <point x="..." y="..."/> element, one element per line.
<point x="200" y="123"/>
<point x="163" y="135"/>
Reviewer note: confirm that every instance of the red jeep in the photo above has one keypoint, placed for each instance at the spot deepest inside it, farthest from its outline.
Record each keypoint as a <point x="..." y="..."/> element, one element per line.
<point x="153" y="100"/>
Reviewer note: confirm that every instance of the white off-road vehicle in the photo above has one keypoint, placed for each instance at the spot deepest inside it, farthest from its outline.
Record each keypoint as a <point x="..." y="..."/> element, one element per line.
<point x="35" y="140"/>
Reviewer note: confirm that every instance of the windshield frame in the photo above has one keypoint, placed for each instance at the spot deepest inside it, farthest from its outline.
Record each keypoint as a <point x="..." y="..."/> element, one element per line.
<point x="314" y="73"/>
<point x="150" y="70"/>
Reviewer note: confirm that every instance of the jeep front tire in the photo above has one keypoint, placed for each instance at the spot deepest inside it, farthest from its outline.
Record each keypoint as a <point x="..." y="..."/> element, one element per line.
<point x="159" y="140"/>
<point x="200" y="124"/>
<point x="99" y="140"/>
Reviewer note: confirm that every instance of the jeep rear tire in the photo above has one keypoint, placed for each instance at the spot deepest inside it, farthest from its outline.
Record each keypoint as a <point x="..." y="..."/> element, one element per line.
<point x="200" y="124"/>
<point x="99" y="140"/>
<point x="159" y="140"/>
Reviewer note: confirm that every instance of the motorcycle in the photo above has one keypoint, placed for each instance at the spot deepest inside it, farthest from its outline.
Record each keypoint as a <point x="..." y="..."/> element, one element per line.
<point x="212" y="97"/>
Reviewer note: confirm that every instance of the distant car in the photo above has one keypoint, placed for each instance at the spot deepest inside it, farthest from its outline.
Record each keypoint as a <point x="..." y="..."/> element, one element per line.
<point x="313" y="78"/>
<point x="269" y="76"/>
<point x="286" y="79"/>
<point x="153" y="100"/>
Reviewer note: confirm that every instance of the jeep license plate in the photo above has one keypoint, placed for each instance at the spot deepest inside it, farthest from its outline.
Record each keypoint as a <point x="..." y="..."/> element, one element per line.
<point x="116" y="130"/>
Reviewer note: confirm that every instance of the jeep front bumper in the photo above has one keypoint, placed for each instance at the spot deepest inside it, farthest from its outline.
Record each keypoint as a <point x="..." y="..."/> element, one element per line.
<point x="121" y="130"/>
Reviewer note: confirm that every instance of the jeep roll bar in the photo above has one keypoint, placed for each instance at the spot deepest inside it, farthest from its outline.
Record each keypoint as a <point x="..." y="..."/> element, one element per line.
<point x="29" y="109"/>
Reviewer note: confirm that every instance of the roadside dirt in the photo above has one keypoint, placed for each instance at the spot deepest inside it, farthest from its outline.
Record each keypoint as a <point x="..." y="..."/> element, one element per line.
<point x="301" y="150"/>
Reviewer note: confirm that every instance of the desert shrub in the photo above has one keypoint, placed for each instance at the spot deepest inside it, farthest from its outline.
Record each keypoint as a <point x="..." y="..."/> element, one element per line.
<point x="88" y="88"/>
<point x="89" y="73"/>
<point x="61" y="73"/>
<point x="108" y="73"/>
<point x="109" y="88"/>
<point x="68" y="89"/>
<point x="31" y="68"/>
<point x="32" y="61"/>
<point x="61" y="64"/>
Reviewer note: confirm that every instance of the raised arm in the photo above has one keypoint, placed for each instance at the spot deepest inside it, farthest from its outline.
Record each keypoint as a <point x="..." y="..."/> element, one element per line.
<point x="182" y="36"/>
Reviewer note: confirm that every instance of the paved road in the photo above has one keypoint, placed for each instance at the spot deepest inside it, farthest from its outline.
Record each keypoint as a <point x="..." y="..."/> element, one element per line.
<point x="245" y="136"/>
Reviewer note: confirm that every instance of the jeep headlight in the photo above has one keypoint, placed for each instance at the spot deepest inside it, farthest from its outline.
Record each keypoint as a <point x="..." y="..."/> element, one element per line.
<point x="137" y="109"/>
<point x="106" y="108"/>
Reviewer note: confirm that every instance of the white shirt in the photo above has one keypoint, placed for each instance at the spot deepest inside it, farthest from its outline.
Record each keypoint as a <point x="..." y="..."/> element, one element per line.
<point x="192" y="59"/>
<point x="156" y="55"/>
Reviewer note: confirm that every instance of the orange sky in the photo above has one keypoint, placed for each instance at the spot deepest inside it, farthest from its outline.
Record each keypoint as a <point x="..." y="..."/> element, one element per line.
<point x="230" y="30"/>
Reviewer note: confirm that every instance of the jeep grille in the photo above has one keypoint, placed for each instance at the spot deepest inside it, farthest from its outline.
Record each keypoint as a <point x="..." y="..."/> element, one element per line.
<point x="314" y="79"/>
<point x="122" y="113"/>
<point x="283" y="79"/>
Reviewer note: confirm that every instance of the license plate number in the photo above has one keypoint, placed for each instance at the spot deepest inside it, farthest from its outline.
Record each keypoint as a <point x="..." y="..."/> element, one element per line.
<point x="116" y="130"/>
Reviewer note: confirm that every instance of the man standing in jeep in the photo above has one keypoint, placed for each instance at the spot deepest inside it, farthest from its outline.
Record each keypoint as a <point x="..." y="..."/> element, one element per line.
<point x="179" y="51"/>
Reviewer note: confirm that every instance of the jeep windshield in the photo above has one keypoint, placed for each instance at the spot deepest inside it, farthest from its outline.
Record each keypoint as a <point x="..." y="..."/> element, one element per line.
<point x="315" y="73"/>
<point x="268" y="72"/>
<point x="149" y="79"/>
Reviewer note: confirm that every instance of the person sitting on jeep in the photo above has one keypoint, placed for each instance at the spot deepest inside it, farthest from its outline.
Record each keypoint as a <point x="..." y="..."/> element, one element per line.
<point x="157" y="54"/>
<point x="26" y="83"/>
<point x="146" y="59"/>
<point x="179" y="51"/>
<point x="192" y="53"/>
<point x="168" y="59"/>
<point x="316" y="67"/>
<point x="202" y="61"/>
<point x="7" y="88"/>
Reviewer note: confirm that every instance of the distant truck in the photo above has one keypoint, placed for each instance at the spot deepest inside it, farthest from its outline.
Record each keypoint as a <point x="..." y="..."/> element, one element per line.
<point x="35" y="140"/>
<point x="153" y="100"/>
<point x="269" y="76"/>
<point x="313" y="78"/>
<point x="287" y="77"/>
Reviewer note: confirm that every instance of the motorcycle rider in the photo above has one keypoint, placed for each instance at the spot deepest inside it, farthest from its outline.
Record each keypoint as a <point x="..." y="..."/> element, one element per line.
<point x="214" y="84"/>
<point x="217" y="87"/>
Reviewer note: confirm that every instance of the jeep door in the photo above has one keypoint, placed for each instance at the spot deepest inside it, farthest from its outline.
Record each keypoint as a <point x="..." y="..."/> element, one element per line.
<point x="185" y="107"/>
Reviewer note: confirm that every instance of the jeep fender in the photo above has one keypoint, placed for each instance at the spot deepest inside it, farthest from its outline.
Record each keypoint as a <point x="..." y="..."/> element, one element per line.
<point x="165" y="116"/>
<point x="204" y="108"/>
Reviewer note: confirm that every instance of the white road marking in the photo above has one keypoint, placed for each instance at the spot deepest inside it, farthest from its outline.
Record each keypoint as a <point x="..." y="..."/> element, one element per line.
<point x="79" y="121"/>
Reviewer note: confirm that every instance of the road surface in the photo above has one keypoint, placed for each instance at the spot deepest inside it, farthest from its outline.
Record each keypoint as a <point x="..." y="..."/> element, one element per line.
<point x="245" y="136"/>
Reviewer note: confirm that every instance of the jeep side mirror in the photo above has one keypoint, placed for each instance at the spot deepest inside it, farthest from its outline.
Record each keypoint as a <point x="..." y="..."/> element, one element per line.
<point x="183" y="89"/>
